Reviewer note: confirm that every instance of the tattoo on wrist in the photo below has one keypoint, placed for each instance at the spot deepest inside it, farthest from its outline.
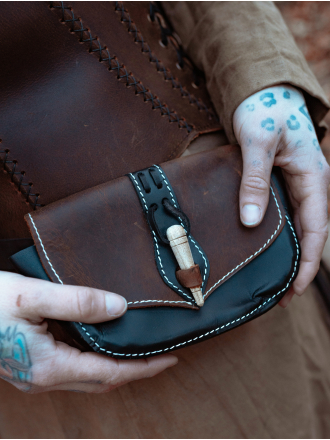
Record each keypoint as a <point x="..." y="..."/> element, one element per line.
<point x="250" y="107"/>
<point x="268" y="124"/>
<point x="286" y="95"/>
<point x="270" y="102"/>
<point x="292" y="123"/>
<point x="304" y="111"/>
<point x="15" y="361"/>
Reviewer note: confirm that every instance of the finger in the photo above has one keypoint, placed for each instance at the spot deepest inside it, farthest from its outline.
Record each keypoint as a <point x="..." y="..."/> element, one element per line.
<point x="83" y="370"/>
<point x="285" y="301"/>
<point x="42" y="299"/>
<point x="314" y="225"/>
<point x="312" y="246"/>
<point x="254" y="192"/>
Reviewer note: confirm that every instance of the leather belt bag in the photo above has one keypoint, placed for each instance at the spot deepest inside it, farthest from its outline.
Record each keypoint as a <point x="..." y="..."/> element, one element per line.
<point x="100" y="91"/>
<point x="106" y="237"/>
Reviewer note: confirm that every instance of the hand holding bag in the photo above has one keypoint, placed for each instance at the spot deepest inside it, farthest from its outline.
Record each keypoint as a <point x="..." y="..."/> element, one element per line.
<point x="106" y="237"/>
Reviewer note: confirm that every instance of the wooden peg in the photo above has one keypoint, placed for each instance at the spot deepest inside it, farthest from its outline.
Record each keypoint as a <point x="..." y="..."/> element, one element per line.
<point x="181" y="249"/>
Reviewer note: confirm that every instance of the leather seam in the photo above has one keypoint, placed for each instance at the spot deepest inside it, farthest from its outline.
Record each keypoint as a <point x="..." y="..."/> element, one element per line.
<point x="113" y="65"/>
<point x="168" y="76"/>
<point x="100" y="349"/>
<point x="20" y="183"/>
<point x="44" y="250"/>
<point x="256" y="253"/>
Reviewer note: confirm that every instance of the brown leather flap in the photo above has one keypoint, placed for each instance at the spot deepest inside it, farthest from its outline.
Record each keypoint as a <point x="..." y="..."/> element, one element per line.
<point x="100" y="237"/>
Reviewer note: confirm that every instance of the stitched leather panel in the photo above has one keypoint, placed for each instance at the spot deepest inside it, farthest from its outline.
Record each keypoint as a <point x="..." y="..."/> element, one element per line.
<point x="64" y="117"/>
<point x="101" y="238"/>
<point x="174" y="84"/>
<point x="164" y="257"/>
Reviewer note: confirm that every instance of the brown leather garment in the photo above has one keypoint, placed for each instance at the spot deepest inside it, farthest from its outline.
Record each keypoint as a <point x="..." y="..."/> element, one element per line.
<point x="67" y="123"/>
<point x="100" y="237"/>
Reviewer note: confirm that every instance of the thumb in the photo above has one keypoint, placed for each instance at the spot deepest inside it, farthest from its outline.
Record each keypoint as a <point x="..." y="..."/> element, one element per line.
<point x="254" y="191"/>
<point x="43" y="299"/>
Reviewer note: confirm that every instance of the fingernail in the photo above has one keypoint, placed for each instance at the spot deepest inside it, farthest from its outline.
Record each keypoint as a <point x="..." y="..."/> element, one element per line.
<point x="116" y="304"/>
<point x="250" y="214"/>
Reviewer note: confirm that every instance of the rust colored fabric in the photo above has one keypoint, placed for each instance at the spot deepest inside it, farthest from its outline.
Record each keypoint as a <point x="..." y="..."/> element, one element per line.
<point x="243" y="47"/>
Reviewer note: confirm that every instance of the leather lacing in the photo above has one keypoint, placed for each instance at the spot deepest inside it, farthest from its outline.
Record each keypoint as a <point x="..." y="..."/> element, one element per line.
<point x="167" y="36"/>
<point x="95" y="46"/>
<point x="18" y="177"/>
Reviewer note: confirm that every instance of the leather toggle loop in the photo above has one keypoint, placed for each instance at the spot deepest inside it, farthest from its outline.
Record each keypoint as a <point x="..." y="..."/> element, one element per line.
<point x="179" y="215"/>
<point x="190" y="278"/>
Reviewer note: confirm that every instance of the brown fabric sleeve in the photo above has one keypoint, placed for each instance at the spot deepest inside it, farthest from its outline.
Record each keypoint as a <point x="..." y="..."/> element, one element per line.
<point x="243" y="47"/>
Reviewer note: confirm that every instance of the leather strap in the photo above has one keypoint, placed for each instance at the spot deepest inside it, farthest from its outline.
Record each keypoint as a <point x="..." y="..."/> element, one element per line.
<point x="9" y="247"/>
<point x="162" y="210"/>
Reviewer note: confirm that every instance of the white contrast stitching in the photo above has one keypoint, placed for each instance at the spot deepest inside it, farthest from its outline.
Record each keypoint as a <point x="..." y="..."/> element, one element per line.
<point x="253" y="255"/>
<point x="157" y="301"/>
<point x="41" y="243"/>
<point x="145" y="204"/>
<point x="216" y="329"/>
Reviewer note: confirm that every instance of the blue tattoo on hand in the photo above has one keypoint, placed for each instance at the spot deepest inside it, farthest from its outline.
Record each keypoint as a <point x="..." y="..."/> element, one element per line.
<point x="295" y="125"/>
<point x="316" y="144"/>
<point x="269" y="103"/>
<point x="250" y="107"/>
<point x="15" y="362"/>
<point x="304" y="111"/>
<point x="286" y="95"/>
<point x="268" y="124"/>
<point x="310" y="127"/>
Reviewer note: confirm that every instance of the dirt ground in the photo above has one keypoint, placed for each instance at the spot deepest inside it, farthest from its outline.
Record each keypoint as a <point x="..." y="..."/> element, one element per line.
<point x="309" y="23"/>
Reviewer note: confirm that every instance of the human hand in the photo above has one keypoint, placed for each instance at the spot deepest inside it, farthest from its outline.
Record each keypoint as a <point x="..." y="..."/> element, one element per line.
<point x="34" y="362"/>
<point x="273" y="127"/>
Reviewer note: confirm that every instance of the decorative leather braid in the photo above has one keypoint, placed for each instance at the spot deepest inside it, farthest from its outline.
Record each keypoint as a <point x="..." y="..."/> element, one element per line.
<point x="95" y="46"/>
<point x="168" y="76"/>
<point x="18" y="177"/>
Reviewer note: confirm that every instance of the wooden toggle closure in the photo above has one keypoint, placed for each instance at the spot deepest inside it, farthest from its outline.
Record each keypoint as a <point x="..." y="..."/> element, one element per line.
<point x="190" y="272"/>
